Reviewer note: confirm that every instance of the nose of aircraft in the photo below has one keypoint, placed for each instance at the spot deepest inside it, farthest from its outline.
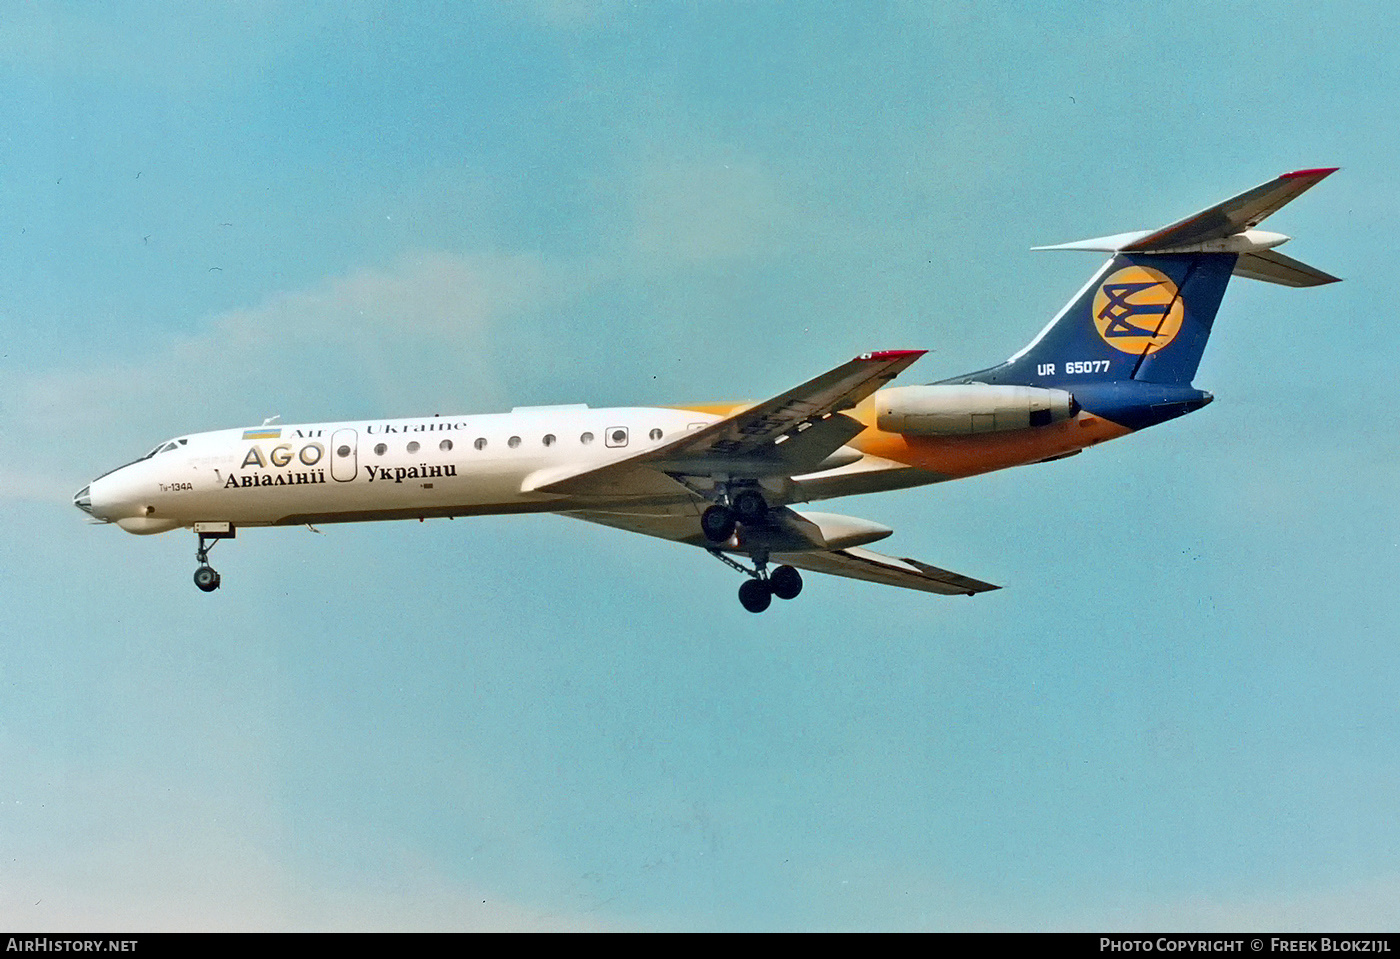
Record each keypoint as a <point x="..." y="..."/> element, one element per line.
<point x="99" y="504"/>
<point x="123" y="497"/>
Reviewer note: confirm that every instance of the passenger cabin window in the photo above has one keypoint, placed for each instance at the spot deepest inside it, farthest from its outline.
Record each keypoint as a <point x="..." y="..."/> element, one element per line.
<point x="586" y="438"/>
<point x="655" y="434"/>
<point x="445" y="445"/>
<point x="380" y="449"/>
<point x="413" y="447"/>
<point x="617" y="436"/>
<point x="548" y="439"/>
<point x="513" y="442"/>
<point x="480" y="443"/>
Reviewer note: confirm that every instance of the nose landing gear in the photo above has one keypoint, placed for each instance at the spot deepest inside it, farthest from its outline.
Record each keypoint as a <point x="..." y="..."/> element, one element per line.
<point x="206" y="577"/>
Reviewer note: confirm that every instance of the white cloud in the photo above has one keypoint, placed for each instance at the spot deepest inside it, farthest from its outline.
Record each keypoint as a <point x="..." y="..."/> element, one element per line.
<point x="163" y="882"/>
<point x="429" y="331"/>
<point x="420" y="333"/>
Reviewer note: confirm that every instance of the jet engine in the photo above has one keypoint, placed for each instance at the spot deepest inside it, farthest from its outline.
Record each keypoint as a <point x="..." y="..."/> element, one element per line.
<point x="962" y="409"/>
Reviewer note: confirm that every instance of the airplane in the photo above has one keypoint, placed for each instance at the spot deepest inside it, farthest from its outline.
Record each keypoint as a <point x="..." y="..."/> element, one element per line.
<point x="1118" y="358"/>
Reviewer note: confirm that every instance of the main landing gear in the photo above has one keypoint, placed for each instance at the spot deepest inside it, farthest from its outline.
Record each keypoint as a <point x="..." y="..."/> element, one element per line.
<point x="206" y="577"/>
<point x="758" y="590"/>
<point x="748" y="508"/>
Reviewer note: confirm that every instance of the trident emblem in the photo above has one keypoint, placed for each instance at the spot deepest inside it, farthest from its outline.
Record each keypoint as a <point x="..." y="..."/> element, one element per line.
<point x="1120" y="308"/>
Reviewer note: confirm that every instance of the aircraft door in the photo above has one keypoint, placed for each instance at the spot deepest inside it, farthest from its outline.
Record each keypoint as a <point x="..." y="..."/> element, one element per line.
<point x="344" y="455"/>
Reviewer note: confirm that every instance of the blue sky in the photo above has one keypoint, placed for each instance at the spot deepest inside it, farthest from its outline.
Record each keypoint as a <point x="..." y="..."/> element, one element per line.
<point x="1179" y="713"/>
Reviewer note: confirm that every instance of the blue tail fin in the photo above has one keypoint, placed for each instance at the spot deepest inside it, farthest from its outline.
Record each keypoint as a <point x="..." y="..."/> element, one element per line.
<point x="1143" y="317"/>
<point x="1146" y="315"/>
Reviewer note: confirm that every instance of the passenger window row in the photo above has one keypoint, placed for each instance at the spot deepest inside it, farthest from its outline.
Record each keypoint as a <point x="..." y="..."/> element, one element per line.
<point x="615" y="437"/>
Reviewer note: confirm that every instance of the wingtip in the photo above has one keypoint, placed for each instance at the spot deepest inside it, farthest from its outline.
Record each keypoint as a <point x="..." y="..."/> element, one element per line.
<point x="1316" y="173"/>
<point x="885" y="356"/>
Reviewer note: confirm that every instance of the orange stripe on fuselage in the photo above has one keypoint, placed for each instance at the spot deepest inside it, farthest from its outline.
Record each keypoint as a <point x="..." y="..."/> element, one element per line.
<point x="957" y="456"/>
<point x="714" y="409"/>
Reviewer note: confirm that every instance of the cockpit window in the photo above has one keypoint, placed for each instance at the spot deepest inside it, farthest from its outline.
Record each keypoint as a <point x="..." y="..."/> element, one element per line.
<point x="158" y="448"/>
<point x="164" y="448"/>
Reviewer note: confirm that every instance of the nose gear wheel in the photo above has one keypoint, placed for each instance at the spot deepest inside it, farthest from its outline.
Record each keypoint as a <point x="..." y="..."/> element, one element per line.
<point x="206" y="578"/>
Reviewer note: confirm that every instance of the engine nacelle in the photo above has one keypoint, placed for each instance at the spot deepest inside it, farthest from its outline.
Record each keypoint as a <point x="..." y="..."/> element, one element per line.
<point x="963" y="409"/>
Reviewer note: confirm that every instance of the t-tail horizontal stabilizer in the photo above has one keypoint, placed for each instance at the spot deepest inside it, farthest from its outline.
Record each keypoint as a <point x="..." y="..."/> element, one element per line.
<point x="1228" y="227"/>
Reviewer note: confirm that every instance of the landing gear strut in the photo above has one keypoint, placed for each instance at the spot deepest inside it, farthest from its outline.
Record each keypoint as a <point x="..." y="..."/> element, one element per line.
<point x="206" y="577"/>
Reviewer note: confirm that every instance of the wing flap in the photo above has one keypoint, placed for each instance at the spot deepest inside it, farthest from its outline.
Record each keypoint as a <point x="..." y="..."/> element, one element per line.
<point x="873" y="567"/>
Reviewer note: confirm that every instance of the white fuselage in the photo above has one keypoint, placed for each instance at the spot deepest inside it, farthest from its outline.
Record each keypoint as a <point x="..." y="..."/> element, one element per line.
<point x="376" y="469"/>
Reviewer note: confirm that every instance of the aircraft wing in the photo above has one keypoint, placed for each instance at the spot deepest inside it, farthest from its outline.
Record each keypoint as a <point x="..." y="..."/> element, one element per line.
<point x="787" y="435"/>
<point x="804" y="534"/>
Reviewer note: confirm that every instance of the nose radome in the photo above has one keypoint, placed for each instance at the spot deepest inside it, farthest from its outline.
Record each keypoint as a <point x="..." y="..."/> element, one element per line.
<point x="83" y="499"/>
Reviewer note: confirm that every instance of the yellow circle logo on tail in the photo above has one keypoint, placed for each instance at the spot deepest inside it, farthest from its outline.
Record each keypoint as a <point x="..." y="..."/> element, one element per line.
<point x="1138" y="310"/>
